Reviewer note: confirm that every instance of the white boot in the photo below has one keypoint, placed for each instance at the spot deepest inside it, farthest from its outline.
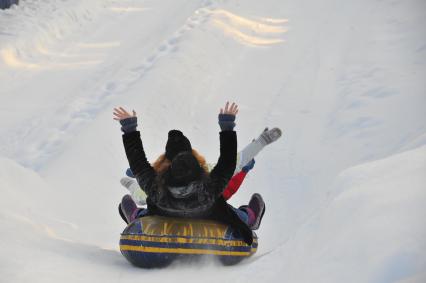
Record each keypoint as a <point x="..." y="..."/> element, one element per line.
<point x="269" y="136"/>
<point x="252" y="149"/>
<point x="136" y="192"/>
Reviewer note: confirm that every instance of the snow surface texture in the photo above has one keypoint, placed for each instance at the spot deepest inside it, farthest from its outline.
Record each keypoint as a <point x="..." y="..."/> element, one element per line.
<point x="344" y="187"/>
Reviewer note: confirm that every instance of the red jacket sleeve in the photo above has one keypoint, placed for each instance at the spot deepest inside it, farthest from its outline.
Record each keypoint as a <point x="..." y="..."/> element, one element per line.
<point x="234" y="184"/>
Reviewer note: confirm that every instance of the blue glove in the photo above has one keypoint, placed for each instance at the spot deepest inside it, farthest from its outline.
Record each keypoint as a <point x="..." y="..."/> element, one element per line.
<point x="129" y="125"/>
<point x="129" y="173"/>
<point x="248" y="166"/>
<point x="226" y="122"/>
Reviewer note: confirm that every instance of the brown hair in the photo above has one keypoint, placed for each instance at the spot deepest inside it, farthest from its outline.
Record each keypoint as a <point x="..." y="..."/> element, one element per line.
<point x="162" y="163"/>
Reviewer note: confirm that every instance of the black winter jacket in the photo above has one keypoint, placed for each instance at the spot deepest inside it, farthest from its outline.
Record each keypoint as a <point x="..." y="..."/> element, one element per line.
<point x="199" y="199"/>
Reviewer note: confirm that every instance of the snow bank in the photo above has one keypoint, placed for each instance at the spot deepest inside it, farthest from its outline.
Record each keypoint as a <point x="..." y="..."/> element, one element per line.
<point x="35" y="241"/>
<point x="370" y="229"/>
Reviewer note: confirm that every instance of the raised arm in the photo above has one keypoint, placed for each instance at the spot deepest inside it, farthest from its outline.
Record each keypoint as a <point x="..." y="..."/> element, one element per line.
<point x="135" y="153"/>
<point x="225" y="167"/>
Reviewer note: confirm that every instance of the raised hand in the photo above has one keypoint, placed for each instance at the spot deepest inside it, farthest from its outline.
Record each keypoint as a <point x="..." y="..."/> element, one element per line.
<point x="230" y="110"/>
<point x="227" y="117"/>
<point x="128" y="121"/>
<point x="120" y="114"/>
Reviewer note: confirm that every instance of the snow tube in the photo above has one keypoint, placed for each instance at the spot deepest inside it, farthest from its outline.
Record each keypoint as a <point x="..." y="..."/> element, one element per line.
<point x="155" y="241"/>
<point x="5" y="4"/>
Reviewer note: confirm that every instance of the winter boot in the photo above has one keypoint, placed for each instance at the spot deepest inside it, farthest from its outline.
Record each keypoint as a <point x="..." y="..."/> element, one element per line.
<point x="269" y="136"/>
<point x="138" y="195"/>
<point x="128" y="208"/>
<point x="128" y="182"/>
<point x="120" y="211"/>
<point x="250" y="214"/>
<point x="257" y="205"/>
<point x="257" y="145"/>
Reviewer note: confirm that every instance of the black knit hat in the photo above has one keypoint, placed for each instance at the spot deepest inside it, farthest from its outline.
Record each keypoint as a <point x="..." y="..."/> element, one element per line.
<point x="184" y="169"/>
<point x="176" y="143"/>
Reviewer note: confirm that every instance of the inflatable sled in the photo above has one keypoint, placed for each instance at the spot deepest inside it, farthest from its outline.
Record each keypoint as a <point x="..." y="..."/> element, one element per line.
<point x="155" y="241"/>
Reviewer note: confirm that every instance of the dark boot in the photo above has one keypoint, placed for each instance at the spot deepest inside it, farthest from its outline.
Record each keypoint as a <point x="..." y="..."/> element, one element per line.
<point x="257" y="205"/>
<point x="128" y="208"/>
<point x="120" y="211"/>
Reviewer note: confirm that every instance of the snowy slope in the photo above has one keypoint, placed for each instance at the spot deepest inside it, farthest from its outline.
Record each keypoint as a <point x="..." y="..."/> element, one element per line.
<point x="344" y="80"/>
<point x="369" y="229"/>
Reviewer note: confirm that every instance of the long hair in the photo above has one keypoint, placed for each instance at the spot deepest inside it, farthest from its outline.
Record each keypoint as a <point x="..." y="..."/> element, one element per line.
<point x="162" y="163"/>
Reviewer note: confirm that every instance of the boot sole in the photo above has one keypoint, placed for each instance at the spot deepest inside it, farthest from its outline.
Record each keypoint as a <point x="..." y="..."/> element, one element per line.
<point x="120" y="211"/>
<point x="256" y="224"/>
<point x="274" y="134"/>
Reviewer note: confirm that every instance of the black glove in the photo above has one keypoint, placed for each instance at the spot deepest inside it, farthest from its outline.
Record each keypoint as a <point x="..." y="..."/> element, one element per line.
<point x="129" y="125"/>
<point x="226" y="122"/>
